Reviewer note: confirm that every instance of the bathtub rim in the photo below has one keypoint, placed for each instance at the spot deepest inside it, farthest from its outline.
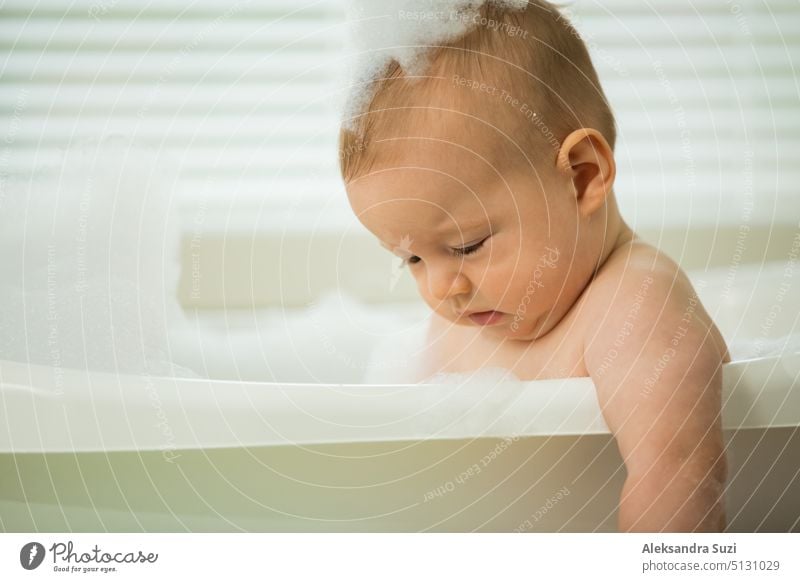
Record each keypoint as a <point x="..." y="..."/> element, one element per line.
<point x="744" y="406"/>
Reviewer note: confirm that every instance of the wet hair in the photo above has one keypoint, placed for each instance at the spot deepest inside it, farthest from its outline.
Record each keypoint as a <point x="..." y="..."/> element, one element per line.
<point x="525" y="74"/>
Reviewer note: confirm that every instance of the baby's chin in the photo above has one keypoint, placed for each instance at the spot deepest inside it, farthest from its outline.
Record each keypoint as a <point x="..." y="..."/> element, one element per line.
<point x="516" y="330"/>
<point x="510" y="327"/>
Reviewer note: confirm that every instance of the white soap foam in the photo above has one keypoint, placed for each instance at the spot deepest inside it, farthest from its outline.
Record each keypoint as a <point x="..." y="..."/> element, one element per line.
<point x="90" y="263"/>
<point x="382" y="31"/>
<point x="395" y="359"/>
<point x="331" y="341"/>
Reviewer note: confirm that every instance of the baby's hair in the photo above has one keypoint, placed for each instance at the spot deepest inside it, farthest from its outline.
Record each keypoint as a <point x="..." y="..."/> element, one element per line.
<point x="531" y="62"/>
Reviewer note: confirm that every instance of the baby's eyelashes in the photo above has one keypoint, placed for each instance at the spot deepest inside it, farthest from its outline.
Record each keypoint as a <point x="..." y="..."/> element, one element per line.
<point x="470" y="249"/>
<point x="409" y="259"/>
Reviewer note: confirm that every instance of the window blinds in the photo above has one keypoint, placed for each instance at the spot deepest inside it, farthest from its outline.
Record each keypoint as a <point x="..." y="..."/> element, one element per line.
<point x="707" y="103"/>
<point x="243" y="97"/>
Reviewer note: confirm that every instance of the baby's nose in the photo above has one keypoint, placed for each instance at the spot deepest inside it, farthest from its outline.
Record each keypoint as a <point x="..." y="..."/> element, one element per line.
<point x="446" y="282"/>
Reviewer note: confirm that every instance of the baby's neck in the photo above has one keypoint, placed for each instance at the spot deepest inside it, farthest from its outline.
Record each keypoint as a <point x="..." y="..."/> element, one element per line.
<point x="616" y="233"/>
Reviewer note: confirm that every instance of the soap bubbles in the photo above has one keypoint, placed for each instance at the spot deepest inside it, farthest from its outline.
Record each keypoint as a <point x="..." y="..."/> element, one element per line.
<point x="382" y="31"/>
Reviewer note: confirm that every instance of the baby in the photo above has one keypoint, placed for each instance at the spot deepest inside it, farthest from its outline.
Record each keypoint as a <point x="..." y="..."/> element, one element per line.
<point x="492" y="176"/>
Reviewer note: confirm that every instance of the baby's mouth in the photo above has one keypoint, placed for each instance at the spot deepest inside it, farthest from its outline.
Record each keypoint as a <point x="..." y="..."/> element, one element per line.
<point x="486" y="317"/>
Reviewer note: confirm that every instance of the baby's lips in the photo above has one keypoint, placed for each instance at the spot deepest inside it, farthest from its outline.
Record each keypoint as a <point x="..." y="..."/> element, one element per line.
<point x="486" y="317"/>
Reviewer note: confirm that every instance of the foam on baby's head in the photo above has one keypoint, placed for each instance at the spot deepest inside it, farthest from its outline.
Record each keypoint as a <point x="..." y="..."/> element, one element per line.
<point x="386" y="31"/>
<point x="512" y="72"/>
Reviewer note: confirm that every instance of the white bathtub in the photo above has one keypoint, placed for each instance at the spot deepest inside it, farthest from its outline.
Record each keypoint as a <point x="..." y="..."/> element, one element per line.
<point x="311" y="451"/>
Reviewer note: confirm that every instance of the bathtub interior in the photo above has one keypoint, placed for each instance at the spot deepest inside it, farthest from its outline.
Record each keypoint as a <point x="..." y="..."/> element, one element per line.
<point x="340" y="339"/>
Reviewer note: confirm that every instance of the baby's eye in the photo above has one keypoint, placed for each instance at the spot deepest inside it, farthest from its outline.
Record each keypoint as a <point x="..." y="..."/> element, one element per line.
<point x="470" y="249"/>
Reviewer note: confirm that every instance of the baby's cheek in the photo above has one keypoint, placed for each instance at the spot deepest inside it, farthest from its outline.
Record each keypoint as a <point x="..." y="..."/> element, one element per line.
<point x="537" y="288"/>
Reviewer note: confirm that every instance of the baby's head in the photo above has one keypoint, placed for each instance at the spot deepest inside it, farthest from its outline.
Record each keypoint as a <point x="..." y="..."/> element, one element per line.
<point x="491" y="173"/>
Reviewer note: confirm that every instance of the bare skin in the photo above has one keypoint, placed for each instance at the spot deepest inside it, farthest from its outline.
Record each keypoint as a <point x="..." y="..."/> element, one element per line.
<point x="570" y="291"/>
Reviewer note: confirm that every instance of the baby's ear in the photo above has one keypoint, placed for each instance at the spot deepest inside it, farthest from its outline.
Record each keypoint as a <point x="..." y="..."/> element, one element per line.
<point x="588" y="161"/>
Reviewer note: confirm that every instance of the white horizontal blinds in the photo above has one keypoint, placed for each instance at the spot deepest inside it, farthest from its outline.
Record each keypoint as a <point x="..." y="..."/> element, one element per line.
<point x="707" y="101"/>
<point x="241" y="95"/>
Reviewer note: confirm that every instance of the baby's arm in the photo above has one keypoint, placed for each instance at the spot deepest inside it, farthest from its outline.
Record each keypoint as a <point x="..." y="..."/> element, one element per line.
<point x="655" y="358"/>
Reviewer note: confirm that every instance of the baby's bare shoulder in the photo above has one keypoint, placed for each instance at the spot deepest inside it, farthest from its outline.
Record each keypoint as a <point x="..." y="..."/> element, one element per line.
<point x="633" y="272"/>
<point x="637" y="259"/>
<point x="641" y="297"/>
